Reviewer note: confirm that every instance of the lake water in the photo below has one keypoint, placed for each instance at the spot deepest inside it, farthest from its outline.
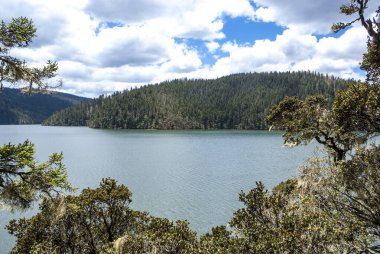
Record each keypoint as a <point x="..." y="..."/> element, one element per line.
<point x="193" y="175"/>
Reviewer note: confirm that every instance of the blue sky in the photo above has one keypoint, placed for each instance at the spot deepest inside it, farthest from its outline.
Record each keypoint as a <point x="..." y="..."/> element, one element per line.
<point x="244" y="30"/>
<point x="241" y="30"/>
<point x="103" y="46"/>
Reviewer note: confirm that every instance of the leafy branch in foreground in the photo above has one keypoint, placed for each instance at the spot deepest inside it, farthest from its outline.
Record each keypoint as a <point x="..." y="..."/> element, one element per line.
<point x="23" y="180"/>
<point x="371" y="59"/>
<point x="355" y="114"/>
<point x="18" y="33"/>
<point x="291" y="219"/>
<point x="346" y="189"/>
<point x="309" y="119"/>
<point x="99" y="221"/>
<point x="353" y="120"/>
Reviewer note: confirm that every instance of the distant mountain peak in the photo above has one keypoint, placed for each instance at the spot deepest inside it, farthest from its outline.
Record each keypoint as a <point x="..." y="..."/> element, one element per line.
<point x="20" y="108"/>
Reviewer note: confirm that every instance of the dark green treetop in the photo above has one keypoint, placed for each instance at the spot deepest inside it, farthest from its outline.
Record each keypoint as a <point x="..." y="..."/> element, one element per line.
<point x="23" y="180"/>
<point x="19" y="33"/>
<point x="371" y="59"/>
<point x="347" y="189"/>
<point x="354" y="117"/>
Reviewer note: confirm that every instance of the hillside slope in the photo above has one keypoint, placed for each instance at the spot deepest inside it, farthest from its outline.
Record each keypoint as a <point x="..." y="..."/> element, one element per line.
<point x="238" y="101"/>
<point x="20" y="108"/>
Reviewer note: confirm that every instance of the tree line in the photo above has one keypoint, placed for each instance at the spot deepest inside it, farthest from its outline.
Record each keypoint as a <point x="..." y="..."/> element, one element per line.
<point x="238" y="101"/>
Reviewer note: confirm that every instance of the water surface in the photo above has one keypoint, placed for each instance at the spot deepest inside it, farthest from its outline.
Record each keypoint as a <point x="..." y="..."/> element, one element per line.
<point x="193" y="175"/>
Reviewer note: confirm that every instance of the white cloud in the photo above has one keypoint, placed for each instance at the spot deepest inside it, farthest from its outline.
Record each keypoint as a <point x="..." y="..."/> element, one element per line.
<point x="129" y="11"/>
<point x="188" y="19"/>
<point x="310" y="16"/>
<point x="75" y="71"/>
<point x="292" y="51"/>
<point x="137" y="46"/>
<point x="349" y="46"/>
<point x="307" y="16"/>
<point x="150" y="42"/>
<point x="212" y="46"/>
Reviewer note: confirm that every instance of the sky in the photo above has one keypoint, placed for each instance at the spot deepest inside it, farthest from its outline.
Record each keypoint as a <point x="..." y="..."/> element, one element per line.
<point x="103" y="46"/>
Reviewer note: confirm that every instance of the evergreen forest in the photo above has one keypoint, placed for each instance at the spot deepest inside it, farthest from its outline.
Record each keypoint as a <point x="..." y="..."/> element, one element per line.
<point x="238" y="101"/>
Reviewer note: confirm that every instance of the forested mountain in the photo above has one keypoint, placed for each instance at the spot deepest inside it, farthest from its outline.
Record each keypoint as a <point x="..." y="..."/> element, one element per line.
<point x="238" y="101"/>
<point x="21" y="108"/>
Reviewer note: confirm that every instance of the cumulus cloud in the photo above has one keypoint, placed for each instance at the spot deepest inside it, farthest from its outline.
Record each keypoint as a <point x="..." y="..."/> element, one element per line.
<point x="307" y="16"/>
<point x="292" y="51"/>
<point x="212" y="46"/>
<point x="120" y="46"/>
<point x="102" y="46"/>
<point x="129" y="11"/>
<point x="189" y="19"/>
<point x="310" y="16"/>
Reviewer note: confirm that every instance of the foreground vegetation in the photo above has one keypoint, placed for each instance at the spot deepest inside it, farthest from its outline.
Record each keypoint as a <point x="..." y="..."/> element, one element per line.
<point x="333" y="206"/>
<point x="238" y="101"/>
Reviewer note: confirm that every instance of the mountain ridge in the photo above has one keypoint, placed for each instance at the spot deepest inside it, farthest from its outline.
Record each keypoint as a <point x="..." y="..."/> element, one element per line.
<point x="237" y="101"/>
<point x="20" y="108"/>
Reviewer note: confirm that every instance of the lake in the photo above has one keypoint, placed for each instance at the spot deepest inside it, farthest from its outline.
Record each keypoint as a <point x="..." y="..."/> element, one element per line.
<point x="193" y="175"/>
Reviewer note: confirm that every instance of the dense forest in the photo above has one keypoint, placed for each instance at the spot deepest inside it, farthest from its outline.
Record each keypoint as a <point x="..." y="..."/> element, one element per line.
<point x="20" y="108"/>
<point x="238" y="101"/>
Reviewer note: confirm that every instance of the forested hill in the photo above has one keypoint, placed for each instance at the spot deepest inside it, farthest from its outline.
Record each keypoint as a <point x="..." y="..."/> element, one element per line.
<point x="20" y="108"/>
<point x="238" y="101"/>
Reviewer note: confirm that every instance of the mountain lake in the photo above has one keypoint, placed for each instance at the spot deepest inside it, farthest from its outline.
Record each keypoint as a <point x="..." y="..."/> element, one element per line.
<point x="193" y="175"/>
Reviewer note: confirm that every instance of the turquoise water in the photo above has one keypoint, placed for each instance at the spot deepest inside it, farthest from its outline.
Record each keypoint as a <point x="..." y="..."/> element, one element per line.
<point x="193" y="175"/>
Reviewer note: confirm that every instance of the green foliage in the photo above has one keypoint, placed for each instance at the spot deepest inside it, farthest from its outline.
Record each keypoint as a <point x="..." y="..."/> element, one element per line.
<point x="77" y="224"/>
<point x="357" y="108"/>
<point x="352" y="121"/>
<point x="342" y="193"/>
<point x="237" y="101"/>
<point x="290" y="220"/>
<point x="219" y="241"/>
<point x="159" y="236"/>
<point x="99" y="221"/>
<point x="23" y="181"/>
<point x="19" y="32"/>
<point x="300" y="119"/>
<point x="371" y="59"/>
<point x="354" y="117"/>
<point x="346" y="190"/>
<point x="358" y="179"/>
<point x="309" y="119"/>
